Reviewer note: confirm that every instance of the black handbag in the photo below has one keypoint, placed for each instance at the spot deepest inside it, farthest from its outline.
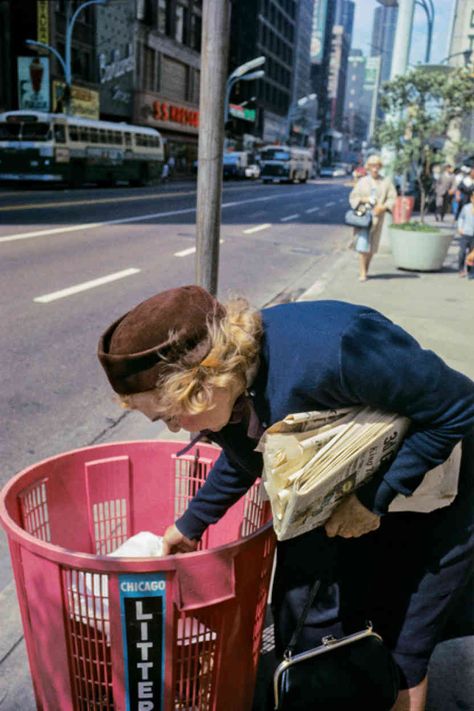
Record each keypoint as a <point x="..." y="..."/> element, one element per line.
<point x="358" y="218"/>
<point x="357" y="671"/>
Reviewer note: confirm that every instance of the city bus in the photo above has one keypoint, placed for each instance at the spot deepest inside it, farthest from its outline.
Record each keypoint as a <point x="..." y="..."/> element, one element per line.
<point x="53" y="148"/>
<point x="280" y="164"/>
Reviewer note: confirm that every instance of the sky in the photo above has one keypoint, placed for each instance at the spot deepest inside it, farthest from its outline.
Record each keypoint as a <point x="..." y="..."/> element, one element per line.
<point x="444" y="10"/>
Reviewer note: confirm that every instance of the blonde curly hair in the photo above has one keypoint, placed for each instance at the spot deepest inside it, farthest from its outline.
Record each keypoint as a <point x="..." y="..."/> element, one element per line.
<point x="235" y="345"/>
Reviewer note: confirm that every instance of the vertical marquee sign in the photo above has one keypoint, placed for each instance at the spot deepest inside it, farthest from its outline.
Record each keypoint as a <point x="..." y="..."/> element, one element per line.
<point x="143" y="611"/>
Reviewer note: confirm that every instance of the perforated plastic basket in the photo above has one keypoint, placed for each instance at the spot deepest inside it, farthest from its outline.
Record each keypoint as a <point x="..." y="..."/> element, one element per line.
<point x="102" y="634"/>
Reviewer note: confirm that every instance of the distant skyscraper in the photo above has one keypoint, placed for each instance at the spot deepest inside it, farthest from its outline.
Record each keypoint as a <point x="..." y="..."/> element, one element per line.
<point x="383" y="38"/>
<point x="356" y="109"/>
<point x="301" y="84"/>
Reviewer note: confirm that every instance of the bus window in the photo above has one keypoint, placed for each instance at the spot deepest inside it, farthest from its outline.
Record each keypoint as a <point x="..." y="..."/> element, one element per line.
<point x="275" y="154"/>
<point x="84" y="134"/>
<point x="128" y="139"/>
<point x="115" y="137"/>
<point x="59" y="133"/>
<point x="73" y="133"/>
<point x="103" y="138"/>
<point x="35" y="131"/>
<point x="9" y="131"/>
<point x="94" y="135"/>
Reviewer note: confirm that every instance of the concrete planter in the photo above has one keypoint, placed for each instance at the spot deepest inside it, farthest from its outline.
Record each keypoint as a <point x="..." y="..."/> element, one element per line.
<point x="420" y="251"/>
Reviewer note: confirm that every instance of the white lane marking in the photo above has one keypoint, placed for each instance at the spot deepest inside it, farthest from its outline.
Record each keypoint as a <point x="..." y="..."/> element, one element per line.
<point x="92" y="225"/>
<point x="46" y="298"/>
<point x="185" y="252"/>
<point x="258" y="228"/>
<point x="190" y="250"/>
<point x="328" y="204"/>
<point x="313" y="209"/>
<point x="138" y="218"/>
<point x="289" y="217"/>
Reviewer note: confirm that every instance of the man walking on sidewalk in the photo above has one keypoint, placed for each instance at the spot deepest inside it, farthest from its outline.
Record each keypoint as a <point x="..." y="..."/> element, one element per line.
<point x="466" y="234"/>
<point x="444" y="188"/>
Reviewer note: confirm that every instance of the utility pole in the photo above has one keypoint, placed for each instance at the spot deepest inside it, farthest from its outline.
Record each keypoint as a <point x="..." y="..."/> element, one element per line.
<point x="401" y="48"/>
<point x="214" y="52"/>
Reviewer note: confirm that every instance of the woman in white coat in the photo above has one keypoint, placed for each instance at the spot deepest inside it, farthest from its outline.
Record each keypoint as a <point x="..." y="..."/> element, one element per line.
<point x="378" y="194"/>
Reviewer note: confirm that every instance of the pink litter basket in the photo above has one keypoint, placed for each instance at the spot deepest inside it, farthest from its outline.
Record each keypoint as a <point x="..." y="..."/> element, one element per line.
<point x="181" y="632"/>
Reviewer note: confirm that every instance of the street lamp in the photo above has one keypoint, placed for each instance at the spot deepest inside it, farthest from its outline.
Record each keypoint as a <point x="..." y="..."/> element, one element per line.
<point x="467" y="54"/>
<point x="66" y="62"/>
<point x="293" y="109"/>
<point x="443" y="66"/>
<point x="242" y="74"/>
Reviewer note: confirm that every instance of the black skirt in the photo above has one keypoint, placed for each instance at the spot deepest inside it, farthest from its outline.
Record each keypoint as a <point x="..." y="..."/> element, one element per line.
<point x="405" y="578"/>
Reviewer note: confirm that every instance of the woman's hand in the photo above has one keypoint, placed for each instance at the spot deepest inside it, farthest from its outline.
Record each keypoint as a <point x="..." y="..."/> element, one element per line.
<point x="351" y="519"/>
<point x="175" y="542"/>
<point x="379" y="209"/>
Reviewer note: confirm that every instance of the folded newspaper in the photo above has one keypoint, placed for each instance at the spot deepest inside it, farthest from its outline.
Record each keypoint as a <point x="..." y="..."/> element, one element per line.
<point x="314" y="459"/>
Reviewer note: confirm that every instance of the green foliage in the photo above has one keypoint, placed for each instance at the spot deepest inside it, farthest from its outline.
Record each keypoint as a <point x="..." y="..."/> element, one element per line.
<point x="422" y="109"/>
<point x="414" y="227"/>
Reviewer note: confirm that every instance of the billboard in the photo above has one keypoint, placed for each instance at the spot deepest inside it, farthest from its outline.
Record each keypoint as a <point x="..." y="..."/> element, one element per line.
<point x="33" y="83"/>
<point x="318" y="31"/>
<point x="84" y="101"/>
<point x="42" y="21"/>
<point x="372" y="71"/>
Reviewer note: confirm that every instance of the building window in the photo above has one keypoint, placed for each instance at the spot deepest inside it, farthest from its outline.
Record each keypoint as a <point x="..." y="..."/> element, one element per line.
<point x="162" y="23"/>
<point x="149" y="77"/>
<point x="180" y="24"/>
<point x="196" y="31"/>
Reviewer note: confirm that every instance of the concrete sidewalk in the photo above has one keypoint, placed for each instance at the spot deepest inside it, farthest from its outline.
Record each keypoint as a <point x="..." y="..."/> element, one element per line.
<point x="437" y="308"/>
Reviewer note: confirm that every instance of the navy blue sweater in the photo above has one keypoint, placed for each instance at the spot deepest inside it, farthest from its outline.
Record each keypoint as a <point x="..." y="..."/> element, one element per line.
<point x="319" y="355"/>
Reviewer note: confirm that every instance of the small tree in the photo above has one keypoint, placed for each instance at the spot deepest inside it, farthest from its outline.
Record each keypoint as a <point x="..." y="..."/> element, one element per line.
<point x="422" y="109"/>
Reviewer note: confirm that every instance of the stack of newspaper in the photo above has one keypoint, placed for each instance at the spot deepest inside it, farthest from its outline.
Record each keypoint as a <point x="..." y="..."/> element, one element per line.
<point x="313" y="459"/>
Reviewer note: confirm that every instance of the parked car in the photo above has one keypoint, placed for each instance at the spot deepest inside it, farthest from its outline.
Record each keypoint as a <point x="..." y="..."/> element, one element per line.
<point x="252" y="171"/>
<point x="337" y="170"/>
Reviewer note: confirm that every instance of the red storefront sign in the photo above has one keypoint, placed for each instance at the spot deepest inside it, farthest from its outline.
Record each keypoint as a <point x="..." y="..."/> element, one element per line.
<point x="164" y="111"/>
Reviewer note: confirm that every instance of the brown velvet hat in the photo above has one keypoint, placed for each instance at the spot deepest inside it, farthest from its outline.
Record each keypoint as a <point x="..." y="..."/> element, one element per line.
<point x="169" y="327"/>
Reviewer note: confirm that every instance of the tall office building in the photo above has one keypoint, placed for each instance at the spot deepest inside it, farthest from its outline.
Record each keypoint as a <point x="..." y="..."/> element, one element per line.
<point x="301" y="84"/>
<point x="321" y="34"/>
<point x="269" y="28"/>
<point x="341" y="40"/>
<point x="167" y="36"/>
<point x="383" y="37"/>
<point x="356" y="113"/>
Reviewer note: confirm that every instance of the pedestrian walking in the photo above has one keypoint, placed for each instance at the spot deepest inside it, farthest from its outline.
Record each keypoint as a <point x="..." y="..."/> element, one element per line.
<point x="229" y="371"/>
<point x="466" y="235"/>
<point x="377" y="194"/>
<point x="465" y="189"/>
<point x="444" y="189"/>
<point x="165" y="173"/>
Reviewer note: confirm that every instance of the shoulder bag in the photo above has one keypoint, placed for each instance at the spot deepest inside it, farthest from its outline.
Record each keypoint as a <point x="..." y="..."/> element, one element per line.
<point x="357" y="671"/>
<point x="358" y="218"/>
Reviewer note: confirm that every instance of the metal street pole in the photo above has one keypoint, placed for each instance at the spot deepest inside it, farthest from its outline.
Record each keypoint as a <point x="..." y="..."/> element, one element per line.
<point x="214" y="51"/>
<point x="428" y="7"/>
<point x="401" y="48"/>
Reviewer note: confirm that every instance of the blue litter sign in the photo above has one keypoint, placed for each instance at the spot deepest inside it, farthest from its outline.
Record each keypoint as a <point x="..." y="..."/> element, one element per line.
<point x="143" y="611"/>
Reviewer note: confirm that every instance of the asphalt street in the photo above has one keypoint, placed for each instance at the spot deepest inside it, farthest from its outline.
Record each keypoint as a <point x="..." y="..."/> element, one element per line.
<point x="74" y="260"/>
